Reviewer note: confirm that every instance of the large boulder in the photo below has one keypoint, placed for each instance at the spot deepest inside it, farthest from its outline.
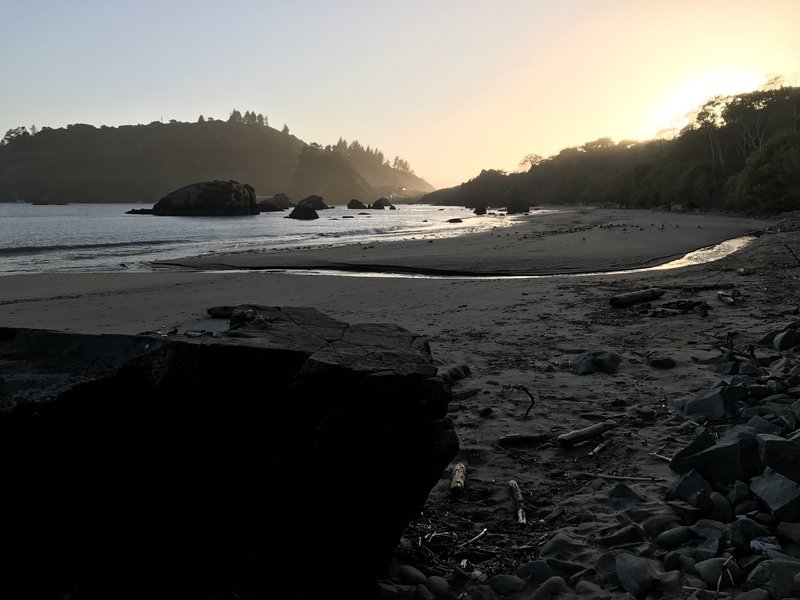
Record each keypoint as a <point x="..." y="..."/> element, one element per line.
<point x="355" y="203"/>
<point x="209" y="199"/>
<point x="380" y="204"/>
<point x="313" y="201"/>
<point x="303" y="212"/>
<point x="174" y="466"/>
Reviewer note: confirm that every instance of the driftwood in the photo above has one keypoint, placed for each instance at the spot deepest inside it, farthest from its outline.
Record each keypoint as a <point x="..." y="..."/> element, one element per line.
<point x="599" y="448"/>
<point x="459" y="477"/>
<point x="699" y="286"/>
<point x="517" y="440"/>
<point x="623" y="477"/>
<point x="533" y="401"/>
<point x="630" y="298"/>
<point x="792" y="253"/>
<point x="581" y="435"/>
<point x="519" y="501"/>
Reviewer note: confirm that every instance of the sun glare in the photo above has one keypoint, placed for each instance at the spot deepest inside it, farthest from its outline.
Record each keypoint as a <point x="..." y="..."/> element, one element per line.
<point x="673" y="113"/>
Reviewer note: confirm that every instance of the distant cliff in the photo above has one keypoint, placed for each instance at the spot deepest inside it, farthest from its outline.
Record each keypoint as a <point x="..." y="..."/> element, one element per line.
<point x="141" y="163"/>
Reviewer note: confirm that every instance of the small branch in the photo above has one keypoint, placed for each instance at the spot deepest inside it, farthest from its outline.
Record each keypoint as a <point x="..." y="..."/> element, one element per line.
<point x="519" y="501"/>
<point x="792" y="253"/>
<point x="700" y="286"/>
<point x="599" y="448"/>
<point x="581" y="435"/>
<point x="472" y="540"/>
<point x="660" y="457"/>
<point x="533" y="401"/>
<point x="624" y="477"/>
<point x="724" y="569"/>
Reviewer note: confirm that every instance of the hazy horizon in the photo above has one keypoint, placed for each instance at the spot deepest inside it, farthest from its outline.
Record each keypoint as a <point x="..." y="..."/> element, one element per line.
<point x="451" y="88"/>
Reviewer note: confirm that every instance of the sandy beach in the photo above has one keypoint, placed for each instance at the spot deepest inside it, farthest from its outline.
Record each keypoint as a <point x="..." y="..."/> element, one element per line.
<point x="510" y="333"/>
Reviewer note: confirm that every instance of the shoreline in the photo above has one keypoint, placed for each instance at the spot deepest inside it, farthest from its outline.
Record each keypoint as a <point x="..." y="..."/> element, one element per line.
<point x="573" y="240"/>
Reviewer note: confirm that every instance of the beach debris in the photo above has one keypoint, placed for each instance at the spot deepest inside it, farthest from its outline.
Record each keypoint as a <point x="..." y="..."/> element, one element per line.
<point x="527" y="391"/>
<point x="519" y="501"/>
<point x="455" y="220"/>
<point x="594" y="361"/>
<point x="458" y="480"/>
<point x="726" y="298"/>
<point x="599" y="448"/>
<point x="637" y="297"/>
<point x="578" y="436"/>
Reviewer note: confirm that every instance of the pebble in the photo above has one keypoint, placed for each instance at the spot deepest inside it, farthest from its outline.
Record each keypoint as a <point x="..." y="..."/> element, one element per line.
<point x="410" y="575"/>
<point x="505" y="585"/>
<point x="439" y="586"/>
<point x="535" y="572"/>
<point x="551" y="587"/>
<point x="672" y="538"/>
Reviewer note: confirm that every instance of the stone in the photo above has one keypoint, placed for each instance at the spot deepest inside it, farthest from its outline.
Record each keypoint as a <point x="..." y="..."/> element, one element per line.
<point x="656" y="524"/>
<point x="765" y="546"/>
<point x="686" y="512"/>
<point x="780" y="494"/>
<point x="595" y="361"/>
<point x="708" y="529"/>
<point x="156" y="435"/>
<point x="780" y="454"/>
<point x="725" y="462"/>
<point x="423" y="593"/>
<point x="627" y="535"/>
<point x="438" y="586"/>
<point x="564" y="547"/>
<point x="687" y="564"/>
<point x="671" y="583"/>
<point x="743" y="530"/>
<point x="762" y="425"/>
<point x="483" y="592"/>
<point x="775" y="576"/>
<point x="739" y="492"/>
<point x="356" y="204"/>
<point x="551" y="587"/>
<point x="480" y="209"/>
<point x="634" y="573"/>
<point x="380" y="204"/>
<point x="659" y="361"/>
<point x="409" y="575"/>
<point x="303" y="213"/>
<point x="313" y="201"/>
<point x="711" y="569"/>
<point x="685" y="486"/>
<point x="535" y="572"/>
<point x="786" y="340"/>
<point x="790" y="531"/>
<point x="722" y="511"/>
<point x="505" y="585"/>
<point x="672" y="538"/>
<point x="209" y="199"/>
<point x="565" y="568"/>
<point x="387" y="590"/>
<point x="717" y="402"/>
<point x="707" y="549"/>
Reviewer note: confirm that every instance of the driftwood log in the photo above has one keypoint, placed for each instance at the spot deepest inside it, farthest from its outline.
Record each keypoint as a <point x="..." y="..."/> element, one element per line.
<point x="519" y="501"/>
<point x="581" y="435"/>
<point x="459" y="478"/>
<point x="631" y="298"/>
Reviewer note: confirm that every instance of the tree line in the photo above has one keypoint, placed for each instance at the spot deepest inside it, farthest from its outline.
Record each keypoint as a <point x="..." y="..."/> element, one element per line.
<point x="142" y="163"/>
<point x="739" y="153"/>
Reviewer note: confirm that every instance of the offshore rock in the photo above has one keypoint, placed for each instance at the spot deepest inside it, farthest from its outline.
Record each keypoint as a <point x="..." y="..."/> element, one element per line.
<point x="172" y="467"/>
<point x="209" y="199"/>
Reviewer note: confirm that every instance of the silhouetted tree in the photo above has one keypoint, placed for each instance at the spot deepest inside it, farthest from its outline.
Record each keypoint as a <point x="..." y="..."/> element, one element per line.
<point x="236" y="117"/>
<point x="201" y="119"/>
<point x="285" y="129"/>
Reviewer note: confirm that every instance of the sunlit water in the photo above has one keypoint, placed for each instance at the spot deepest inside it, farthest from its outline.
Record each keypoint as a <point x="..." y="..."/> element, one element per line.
<point x="101" y="237"/>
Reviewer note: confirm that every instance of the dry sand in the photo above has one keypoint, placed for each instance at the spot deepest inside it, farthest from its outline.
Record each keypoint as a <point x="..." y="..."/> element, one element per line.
<point x="510" y="332"/>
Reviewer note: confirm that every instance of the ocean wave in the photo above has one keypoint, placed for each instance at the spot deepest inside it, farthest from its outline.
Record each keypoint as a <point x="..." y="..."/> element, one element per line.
<point x="21" y="250"/>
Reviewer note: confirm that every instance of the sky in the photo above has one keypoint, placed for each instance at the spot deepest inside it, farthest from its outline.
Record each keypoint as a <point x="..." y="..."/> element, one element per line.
<point x="451" y="87"/>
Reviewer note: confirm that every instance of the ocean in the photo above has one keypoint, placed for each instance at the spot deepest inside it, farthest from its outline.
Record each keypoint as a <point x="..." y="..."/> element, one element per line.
<point x="101" y="237"/>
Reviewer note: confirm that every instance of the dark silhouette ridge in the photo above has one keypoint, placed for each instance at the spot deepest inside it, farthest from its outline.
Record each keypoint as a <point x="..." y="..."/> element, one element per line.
<point x="142" y="163"/>
<point x="740" y="153"/>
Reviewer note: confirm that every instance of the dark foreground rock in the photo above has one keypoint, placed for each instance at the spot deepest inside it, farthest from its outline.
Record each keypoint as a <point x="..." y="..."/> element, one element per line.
<point x="209" y="199"/>
<point x="233" y="464"/>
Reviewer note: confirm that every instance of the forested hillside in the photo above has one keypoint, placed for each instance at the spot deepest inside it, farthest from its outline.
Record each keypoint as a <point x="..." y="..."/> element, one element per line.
<point x="142" y="163"/>
<point x="739" y="153"/>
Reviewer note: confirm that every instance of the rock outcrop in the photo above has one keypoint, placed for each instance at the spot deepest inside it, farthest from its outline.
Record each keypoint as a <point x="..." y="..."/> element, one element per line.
<point x="209" y="199"/>
<point x="288" y="451"/>
<point x="313" y="201"/>
<point x="357" y="204"/>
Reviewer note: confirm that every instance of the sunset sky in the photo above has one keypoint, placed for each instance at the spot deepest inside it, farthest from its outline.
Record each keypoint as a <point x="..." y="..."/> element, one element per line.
<point x="452" y="87"/>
